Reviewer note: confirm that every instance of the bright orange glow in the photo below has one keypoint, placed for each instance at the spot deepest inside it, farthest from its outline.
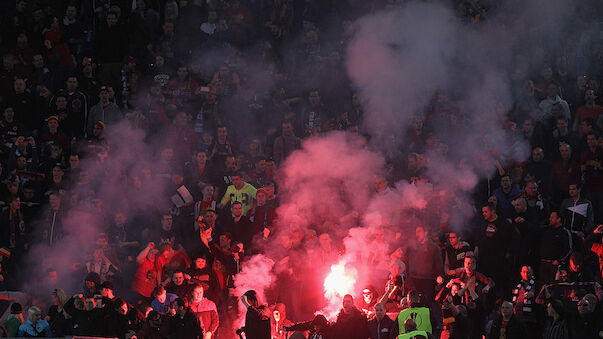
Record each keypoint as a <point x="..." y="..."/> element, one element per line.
<point x="339" y="282"/>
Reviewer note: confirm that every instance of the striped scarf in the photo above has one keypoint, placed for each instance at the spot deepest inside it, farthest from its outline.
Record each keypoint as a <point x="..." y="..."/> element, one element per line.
<point x="527" y="302"/>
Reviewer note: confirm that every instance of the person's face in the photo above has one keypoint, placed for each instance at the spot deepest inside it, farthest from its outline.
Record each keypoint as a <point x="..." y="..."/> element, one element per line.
<point x="453" y="238"/>
<point x="55" y="202"/>
<point x="161" y="297"/>
<point x="287" y="129"/>
<point x="209" y="218"/>
<point x="9" y="114"/>
<point x="104" y="95"/>
<point x="212" y="16"/>
<point x="166" y="222"/>
<point x="90" y="304"/>
<point x="53" y="125"/>
<point x="38" y="61"/>
<point x="506" y="309"/>
<point x="237" y="210"/>
<point x="28" y="193"/>
<point x="200" y="263"/>
<point x="159" y="61"/>
<point x="71" y="12"/>
<point x="120" y="219"/>
<point x="208" y="191"/>
<point x="57" y="172"/>
<point x="537" y="155"/>
<point x="314" y="98"/>
<point x="469" y="265"/>
<point x="201" y="157"/>
<point x="261" y="199"/>
<point x="37" y="317"/>
<point x="526" y="273"/>
<point x="182" y="73"/>
<point x="123" y="309"/>
<point x="197" y="294"/>
<point x="546" y="73"/>
<point x="505" y="183"/>
<point x="19" y="86"/>
<point x="111" y="19"/>
<point x="74" y="161"/>
<point x="261" y="165"/>
<point x="72" y="83"/>
<point x="554" y="219"/>
<point x="21" y="162"/>
<point x="178" y="278"/>
<point x="15" y="204"/>
<point x="574" y="191"/>
<point x="565" y="152"/>
<point x="552" y="90"/>
<point x="222" y="133"/>
<point x="530" y="189"/>
<point x="348" y="303"/>
<point x="584" y="306"/>
<point x="224" y="241"/>
<point x="486" y="212"/>
<point x="237" y="181"/>
<point x="421" y="234"/>
<point x="590" y="96"/>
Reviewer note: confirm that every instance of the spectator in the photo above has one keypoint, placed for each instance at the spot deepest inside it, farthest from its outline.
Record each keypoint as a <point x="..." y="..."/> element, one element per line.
<point x="163" y="300"/>
<point x="555" y="248"/>
<point x="381" y="326"/>
<point x="508" y="324"/>
<point x="14" y="320"/>
<point x="183" y="323"/>
<point x="34" y="326"/>
<point x="206" y="312"/>
<point x="105" y="111"/>
<point x="577" y="212"/>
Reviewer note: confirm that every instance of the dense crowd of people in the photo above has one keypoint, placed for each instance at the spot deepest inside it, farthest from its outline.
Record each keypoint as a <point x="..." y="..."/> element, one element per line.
<point x="223" y="92"/>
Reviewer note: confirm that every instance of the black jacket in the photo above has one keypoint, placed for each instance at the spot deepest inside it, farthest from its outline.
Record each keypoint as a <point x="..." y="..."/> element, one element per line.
<point x="515" y="328"/>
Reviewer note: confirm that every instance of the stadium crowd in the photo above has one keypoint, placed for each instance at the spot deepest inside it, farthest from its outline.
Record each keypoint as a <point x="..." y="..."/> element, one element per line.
<point x="527" y="265"/>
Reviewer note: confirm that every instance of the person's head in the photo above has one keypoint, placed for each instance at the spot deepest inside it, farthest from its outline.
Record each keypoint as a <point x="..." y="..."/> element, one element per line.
<point x="379" y="310"/>
<point x="261" y="196"/>
<point x="314" y="98"/>
<point x="72" y="83"/>
<point x="348" y="303"/>
<point x="16" y="309"/>
<point x="55" y="201"/>
<point x="15" y="202"/>
<point x="454" y="238"/>
<point x="103" y="94"/>
<point x="368" y="294"/>
<point x="584" y="307"/>
<point x="210" y="217"/>
<point x="59" y="297"/>
<point x="112" y="18"/>
<point x="178" y="277"/>
<point x="120" y="306"/>
<point x="165" y="250"/>
<point x="421" y="234"/>
<point x="552" y="90"/>
<point x="201" y="157"/>
<point x="555" y="219"/>
<point x="489" y="212"/>
<point x="201" y="261"/>
<point x="34" y="314"/>
<point x="590" y="97"/>
<point x="22" y="41"/>
<point x="574" y="190"/>
<point x="287" y="129"/>
<point x="19" y="86"/>
<point x="531" y="189"/>
<point x="225" y="240"/>
<point x="197" y="293"/>
<point x="230" y="162"/>
<point x="526" y="273"/>
<point x="469" y="264"/>
<point x="410" y="325"/>
<point x="166" y="221"/>
<point x="107" y="289"/>
<point x="505" y="182"/>
<point x="38" y="61"/>
<point x="566" y="151"/>
<point x="506" y="310"/>
<point x="413" y="297"/>
<point x="221" y="133"/>
<point x="9" y="114"/>
<point x="237" y="181"/>
<point x="160" y="294"/>
<point x="53" y="124"/>
<point x="537" y="156"/>
<point x="591" y="140"/>
<point x="90" y="304"/>
<point x="237" y="209"/>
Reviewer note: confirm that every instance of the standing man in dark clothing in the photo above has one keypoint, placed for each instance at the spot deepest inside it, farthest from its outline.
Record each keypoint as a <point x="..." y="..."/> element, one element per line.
<point x="110" y="47"/>
<point x="455" y="251"/>
<point x="424" y="264"/>
<point x="184" y="324"/>
<point x="494" y="249"/>
<point x="257" y="319"/>
<point x="507" y="325"/>
<point x="351" y="323"/>
<point x="381" y="326"/>
<point x="555" y="248"/>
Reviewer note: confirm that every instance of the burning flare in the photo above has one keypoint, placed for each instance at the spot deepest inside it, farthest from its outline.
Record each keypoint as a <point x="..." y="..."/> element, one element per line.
<point x="339" y="282"/>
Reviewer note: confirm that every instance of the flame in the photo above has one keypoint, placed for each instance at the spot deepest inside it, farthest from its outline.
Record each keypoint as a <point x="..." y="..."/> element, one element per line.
<point x="340" y="281"/>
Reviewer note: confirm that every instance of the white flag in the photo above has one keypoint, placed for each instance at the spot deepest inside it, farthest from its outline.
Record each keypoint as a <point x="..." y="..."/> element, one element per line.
<point x="580" y="209"/>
